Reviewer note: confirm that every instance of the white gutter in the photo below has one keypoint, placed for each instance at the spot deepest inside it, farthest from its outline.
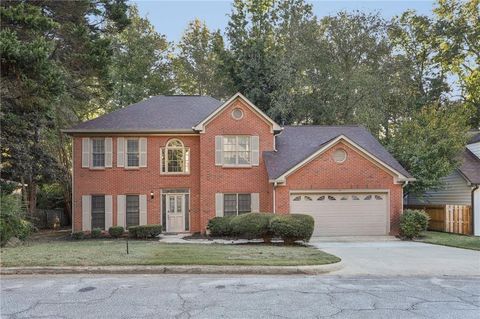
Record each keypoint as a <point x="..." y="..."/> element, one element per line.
<point x="274" y="186"/>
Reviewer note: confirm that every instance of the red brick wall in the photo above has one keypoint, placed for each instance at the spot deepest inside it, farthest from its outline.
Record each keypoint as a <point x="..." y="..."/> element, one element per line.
<point x="216" y="179"/>
<point x="121" y="181"/>
<point x="356" y="172"/>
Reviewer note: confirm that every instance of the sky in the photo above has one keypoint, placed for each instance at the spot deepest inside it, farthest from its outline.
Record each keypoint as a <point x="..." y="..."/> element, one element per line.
<point x="171" y="17"/>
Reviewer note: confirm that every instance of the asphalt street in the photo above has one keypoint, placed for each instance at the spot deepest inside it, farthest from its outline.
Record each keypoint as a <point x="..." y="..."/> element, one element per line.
<point x="222" y="296"/>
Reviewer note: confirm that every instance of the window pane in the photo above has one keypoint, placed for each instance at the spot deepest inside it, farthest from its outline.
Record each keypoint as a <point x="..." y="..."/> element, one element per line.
<point x="98" y="152"/>
<point x="179" y="204"/>
<point x="98" y="212"/>
<point x="133" y="210"/>
<point x="132" y="146"/>
<point x="243" y="143"/>
<point x="243" y="158"/>
<point x="229" y="157"/>
<point x="244" y="203"/>
<point x="230" y="204"/>
<point x="133" y="159"/>
<point x="175" y="160"/>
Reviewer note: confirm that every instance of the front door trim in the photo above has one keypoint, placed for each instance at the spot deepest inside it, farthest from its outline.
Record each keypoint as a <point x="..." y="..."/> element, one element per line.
<point x="167" y="200"/>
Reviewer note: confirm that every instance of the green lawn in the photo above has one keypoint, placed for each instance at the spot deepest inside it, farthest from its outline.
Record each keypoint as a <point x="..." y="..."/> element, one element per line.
<point x="113" y="252"/>
<point x="453" y="240"/>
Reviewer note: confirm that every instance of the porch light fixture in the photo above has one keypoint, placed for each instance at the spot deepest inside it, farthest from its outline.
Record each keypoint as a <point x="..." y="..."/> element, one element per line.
<point x="151" y="194"/>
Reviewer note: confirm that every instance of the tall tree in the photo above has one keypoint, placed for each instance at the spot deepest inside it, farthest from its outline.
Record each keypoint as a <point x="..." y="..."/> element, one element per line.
<point x="141" y="67"/>
<point x="197" y="66"/>
<point x="250" y="63"/>
<point x="31" y="80"/>
<point x="457" y="35"/>
<point x="54" y="71"/>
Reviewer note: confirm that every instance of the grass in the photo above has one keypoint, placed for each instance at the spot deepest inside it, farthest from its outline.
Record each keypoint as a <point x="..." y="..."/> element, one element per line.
<point x="453" y="240"/>
<point x="113" y="252"/>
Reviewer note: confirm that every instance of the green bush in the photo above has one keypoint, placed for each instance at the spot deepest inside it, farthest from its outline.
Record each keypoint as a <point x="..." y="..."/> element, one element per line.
<point x="145" y="231"/>
<point x="292" y="227"/>
<point x="412" y="223"/>
<point x="96" y="233"/>
<point x="78" y="235"/>
<point x="252" y="226"/>
<point x="220" y="227"/>
<point x="116" y="231"/>
<point x="12" y="219"/>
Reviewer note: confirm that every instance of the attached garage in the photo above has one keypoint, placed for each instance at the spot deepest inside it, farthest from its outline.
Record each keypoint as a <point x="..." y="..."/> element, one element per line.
<point x="344" y="213"/>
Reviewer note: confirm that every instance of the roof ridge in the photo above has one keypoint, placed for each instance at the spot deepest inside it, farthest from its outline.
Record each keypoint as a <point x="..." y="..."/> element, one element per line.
<point x="321" y="125"/>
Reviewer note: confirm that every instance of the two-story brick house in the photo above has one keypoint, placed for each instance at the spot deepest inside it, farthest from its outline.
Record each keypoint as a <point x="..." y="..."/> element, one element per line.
<point x="182" y="160"/>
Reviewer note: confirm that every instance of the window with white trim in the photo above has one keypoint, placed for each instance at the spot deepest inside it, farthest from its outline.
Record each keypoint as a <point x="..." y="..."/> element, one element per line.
<point x="98" y="211"/>
<point x="236" y="204"/>
<point x="175" y="157"/>
<point x="236" y="150"/>
<point x="98" y="152"/>
<point x="133" y="152"/>
<point x="132" y="210"/>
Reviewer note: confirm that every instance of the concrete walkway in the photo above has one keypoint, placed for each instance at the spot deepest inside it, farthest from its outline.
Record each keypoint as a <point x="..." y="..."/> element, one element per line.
<point x="387" y="256"/>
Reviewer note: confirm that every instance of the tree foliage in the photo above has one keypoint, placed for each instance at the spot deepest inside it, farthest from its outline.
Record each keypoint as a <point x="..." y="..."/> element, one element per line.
<point x="198" y="64"/>
<point x="140" y="66"/>
<point x="413" y="81"/>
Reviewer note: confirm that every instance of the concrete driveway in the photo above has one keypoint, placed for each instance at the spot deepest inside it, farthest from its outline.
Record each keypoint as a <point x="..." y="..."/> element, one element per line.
<point x="388" y="256"/>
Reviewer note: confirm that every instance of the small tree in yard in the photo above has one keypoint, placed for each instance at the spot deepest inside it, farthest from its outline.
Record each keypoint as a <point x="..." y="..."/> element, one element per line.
<point x="428" y="144"/>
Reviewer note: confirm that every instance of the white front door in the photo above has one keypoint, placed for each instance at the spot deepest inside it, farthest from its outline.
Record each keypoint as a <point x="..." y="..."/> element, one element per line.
<point x="175" y="213"/>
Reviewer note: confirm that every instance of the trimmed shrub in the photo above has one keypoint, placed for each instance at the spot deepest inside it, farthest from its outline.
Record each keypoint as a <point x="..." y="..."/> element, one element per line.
<point x="292" y="227"/>
<point x="78" y="235"/>
<point x="252" y="226"/>
<point x="412" y="223"/>
<point x="116" y="231"/>
<point x="220" y="227"/>
<point x="145" y="231"/>
<point x="96" y="233"/>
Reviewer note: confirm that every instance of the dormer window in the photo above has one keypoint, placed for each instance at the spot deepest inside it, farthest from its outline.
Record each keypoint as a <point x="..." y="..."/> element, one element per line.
<point x="175" y="158"/>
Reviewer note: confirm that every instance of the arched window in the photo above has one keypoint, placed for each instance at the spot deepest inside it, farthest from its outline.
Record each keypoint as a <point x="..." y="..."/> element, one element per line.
<point x="175" y="158"/>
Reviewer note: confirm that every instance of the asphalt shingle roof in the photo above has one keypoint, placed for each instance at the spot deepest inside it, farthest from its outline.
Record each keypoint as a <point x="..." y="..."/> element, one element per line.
<point x="296" y="143"/>
<point x="159" y="113"/>
<point x="470" y="167"/>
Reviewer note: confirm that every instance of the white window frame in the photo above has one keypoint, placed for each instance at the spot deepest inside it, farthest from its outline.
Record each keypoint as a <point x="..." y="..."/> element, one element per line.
<point x="236" y="202"/>
<point x="237" y="150"/>
<point x="186" y="158"/>
<point x="126" y="152"/>
<point x="92" y="166"/>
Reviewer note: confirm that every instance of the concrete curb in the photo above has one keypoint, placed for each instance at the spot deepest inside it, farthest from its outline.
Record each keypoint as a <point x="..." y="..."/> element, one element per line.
<point x="174" y="269"/>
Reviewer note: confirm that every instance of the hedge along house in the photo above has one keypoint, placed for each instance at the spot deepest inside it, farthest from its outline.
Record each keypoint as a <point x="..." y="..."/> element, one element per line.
<point x="181" y="160"/>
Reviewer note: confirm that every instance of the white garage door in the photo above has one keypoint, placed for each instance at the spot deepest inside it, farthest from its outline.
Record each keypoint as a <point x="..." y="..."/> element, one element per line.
<point x="344" y="214"/>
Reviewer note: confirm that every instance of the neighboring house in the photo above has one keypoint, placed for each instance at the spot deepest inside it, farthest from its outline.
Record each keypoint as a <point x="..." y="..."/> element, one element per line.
<point x="462" y="186"/>
<point x="181" y="160"/>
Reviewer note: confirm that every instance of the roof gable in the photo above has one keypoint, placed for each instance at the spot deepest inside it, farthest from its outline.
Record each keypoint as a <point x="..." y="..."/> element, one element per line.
<point x="201" y="125"/>
<point x="297" y="145"/>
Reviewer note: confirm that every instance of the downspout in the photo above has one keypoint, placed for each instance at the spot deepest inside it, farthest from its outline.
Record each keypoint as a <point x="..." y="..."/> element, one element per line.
<point x="73" y="190"/>
<point x="473" y="208"/>
<point x="274" y="186"/>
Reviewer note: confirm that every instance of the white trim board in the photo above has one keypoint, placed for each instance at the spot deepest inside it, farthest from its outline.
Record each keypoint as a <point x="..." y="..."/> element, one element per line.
<point x="399" y="177"/>
<point x="201" y="126"/>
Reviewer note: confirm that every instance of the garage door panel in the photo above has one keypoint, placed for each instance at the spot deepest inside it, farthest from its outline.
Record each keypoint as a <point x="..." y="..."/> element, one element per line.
<point x="342" y="214"/>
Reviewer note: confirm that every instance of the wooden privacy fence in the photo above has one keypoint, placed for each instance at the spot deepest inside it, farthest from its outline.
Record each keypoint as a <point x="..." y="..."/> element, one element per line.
<point x="448" y="218"/>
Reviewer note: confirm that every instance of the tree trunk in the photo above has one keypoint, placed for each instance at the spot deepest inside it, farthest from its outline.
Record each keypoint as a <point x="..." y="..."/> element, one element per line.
<point x="32" y="197"/>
